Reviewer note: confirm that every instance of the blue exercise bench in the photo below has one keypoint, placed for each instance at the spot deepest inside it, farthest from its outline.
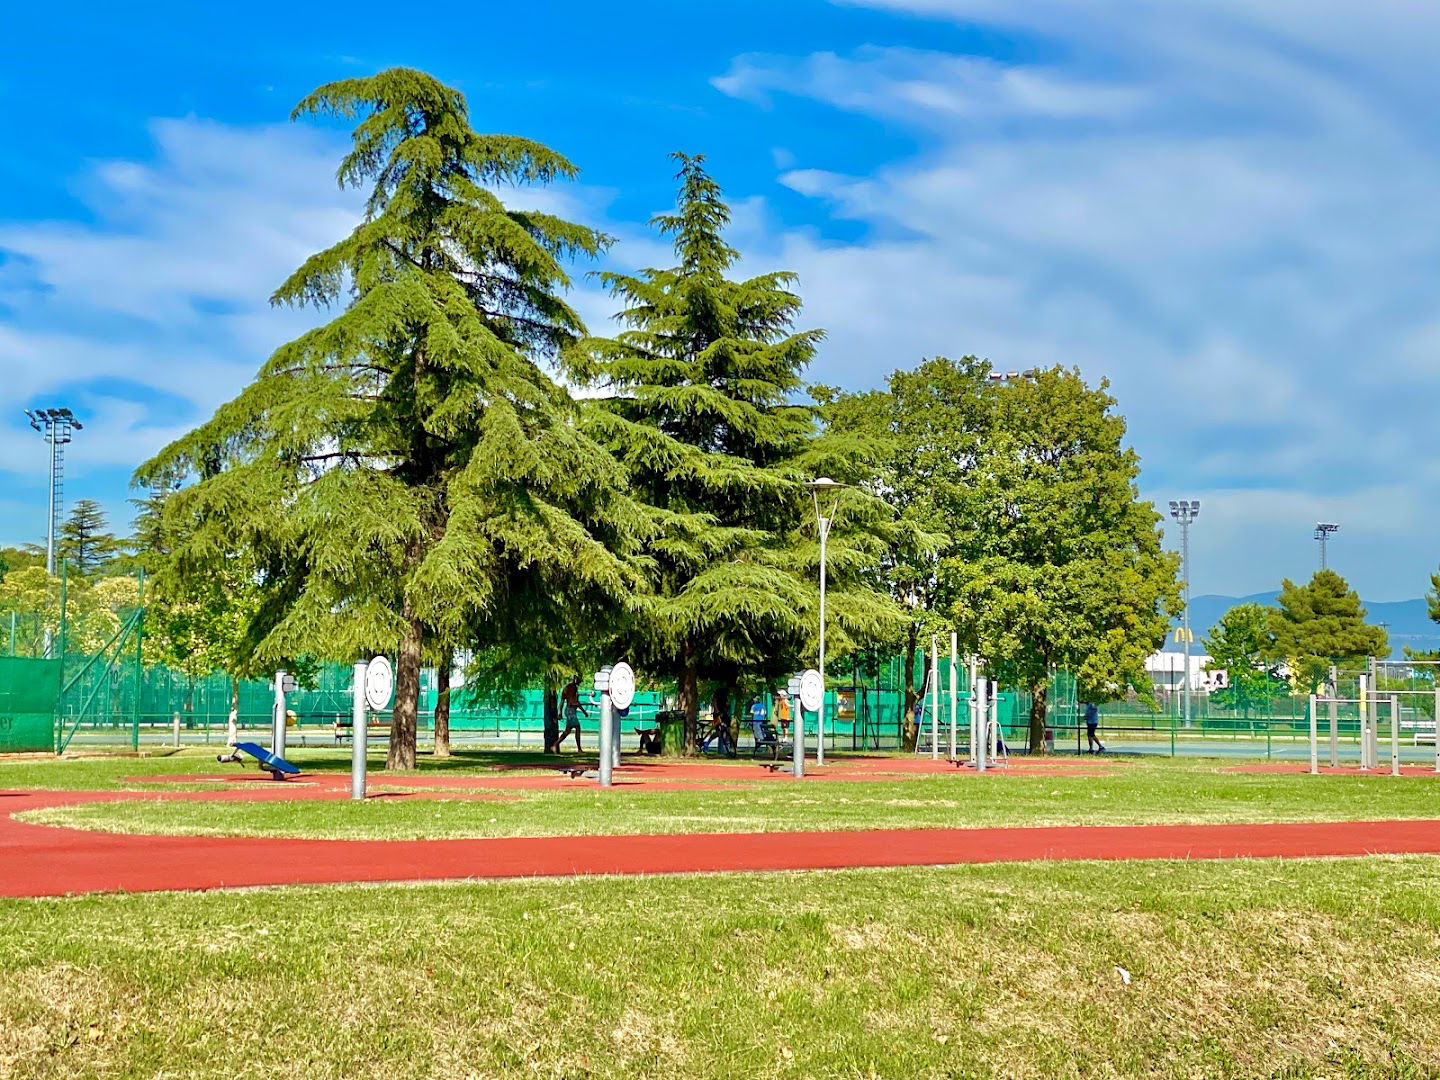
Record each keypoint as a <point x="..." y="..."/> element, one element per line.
<point x="277" y="767"/>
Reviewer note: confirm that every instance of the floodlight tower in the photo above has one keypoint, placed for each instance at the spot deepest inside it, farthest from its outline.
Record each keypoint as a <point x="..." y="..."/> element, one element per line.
<point x="1185" y="511"/>
<point x="57" y="426"/>
<point x="1323" y="529"/>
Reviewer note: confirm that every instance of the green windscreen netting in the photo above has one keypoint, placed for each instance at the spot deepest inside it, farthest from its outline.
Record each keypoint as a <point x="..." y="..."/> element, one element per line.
<point x="28" y="692"/>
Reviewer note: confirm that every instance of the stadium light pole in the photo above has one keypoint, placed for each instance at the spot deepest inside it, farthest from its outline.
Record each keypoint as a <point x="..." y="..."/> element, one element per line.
<point x="823" y="486"/>
<point x="57" y="427"/>
<point x="1185" y="511"/>
<point x="1323" y="529"/>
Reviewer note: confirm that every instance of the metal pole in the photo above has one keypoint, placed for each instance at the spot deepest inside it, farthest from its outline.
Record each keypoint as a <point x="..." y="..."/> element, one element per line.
<point x="1314" y="741"/>
<point x="797" y="733"/>
<point x="934" y="698"/>
<point x="979" y="692"/>
<point x="1364" y="724"/>
<point x="359" y="732"/>
<point x="1436" y="726"/>
<point x="1394" y="735"/>
<point x="607" y="738"/>
<point x="994" y="726"/>
<point x="820" y="715"/>
<point x="970" y="691"/>
<point x="277" y="721"/>
<point x="1334" y="718"/>
<point x="615" y="737"/>
<point x="954" y="690"/>
<point x="50" y="527"/>
<point x="1185" y="543"/>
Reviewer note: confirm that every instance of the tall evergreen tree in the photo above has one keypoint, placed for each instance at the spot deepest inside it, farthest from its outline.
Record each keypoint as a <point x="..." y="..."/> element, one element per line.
<point x="1322" y="623"/>
<point x="84" y="539"/>
<point x="406" y="476"/>
<point x="701" y="411"/>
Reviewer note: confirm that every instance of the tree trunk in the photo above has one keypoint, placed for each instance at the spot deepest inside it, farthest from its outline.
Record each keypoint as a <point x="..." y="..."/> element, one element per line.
<point x="689" y="693"/>
<point x="1037" y="719"/>
<point x="407" y="694"/>
<point x="909" y="730"/>
<point x="551" y="714"/>
<point x="442" y="703"/>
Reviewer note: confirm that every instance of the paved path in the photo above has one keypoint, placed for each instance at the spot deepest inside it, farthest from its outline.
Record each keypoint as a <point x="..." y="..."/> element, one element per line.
<point x="38" y="860"/>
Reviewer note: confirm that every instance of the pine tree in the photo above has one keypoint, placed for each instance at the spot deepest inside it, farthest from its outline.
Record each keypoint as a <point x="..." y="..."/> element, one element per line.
<point x="84" y="539"/>
<point x="1322" y="623"/>
<point x="700" y="410"/>
<point x="407" y="476"/>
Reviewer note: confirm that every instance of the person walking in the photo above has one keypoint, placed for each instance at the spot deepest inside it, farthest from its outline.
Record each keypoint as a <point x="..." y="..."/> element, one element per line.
<point x="571" y="707"/>
<point x="1093" y="745"/>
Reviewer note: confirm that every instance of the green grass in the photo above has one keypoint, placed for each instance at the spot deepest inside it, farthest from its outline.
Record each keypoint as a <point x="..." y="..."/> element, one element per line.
<point x="1315" y="968"/>
<point x="1132" y="794"/>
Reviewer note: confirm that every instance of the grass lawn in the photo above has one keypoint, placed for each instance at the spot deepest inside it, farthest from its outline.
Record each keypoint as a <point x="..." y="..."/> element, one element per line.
<point x="1319" y="968"/>
<point x="1149" y="792"/>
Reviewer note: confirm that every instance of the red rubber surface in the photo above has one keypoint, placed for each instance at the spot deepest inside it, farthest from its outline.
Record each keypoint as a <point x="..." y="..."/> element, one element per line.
<point x="38" y="860"/>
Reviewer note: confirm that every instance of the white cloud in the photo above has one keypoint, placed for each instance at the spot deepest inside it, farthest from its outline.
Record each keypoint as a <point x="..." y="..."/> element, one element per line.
<point x="1225" y="208"/>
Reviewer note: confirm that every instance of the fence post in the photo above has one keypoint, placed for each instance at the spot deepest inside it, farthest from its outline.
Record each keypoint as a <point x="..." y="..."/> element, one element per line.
<point x="1394" y="735"/>
<point x="1314" y="741"/>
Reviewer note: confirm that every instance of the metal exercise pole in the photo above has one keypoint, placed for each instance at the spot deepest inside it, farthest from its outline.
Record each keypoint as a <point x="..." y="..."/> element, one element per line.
<point x="1364" y="724"/>
<point x="934" y="697"/>
<point x="797" y="730"/>
<point x="993" y="727"/>
<point x="1436" y="726"/>
<point x="970" y="693"/>
<point x="1334" y="711"/>
<point x="359" y="732"/>
<point x="277" y="721"/>
<point x="954" y="691"/>
<point x="978" y="694"/>
<point x="1394" y="735"/>
<point x="1314" y="741"/>
<point x="607" y="738"/>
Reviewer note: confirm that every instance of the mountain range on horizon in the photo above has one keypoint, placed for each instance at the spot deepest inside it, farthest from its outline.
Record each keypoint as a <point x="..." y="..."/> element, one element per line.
<point x="1406" y="621"/>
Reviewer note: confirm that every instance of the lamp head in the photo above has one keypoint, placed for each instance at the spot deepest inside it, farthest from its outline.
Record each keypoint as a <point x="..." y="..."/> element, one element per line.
<point x="824" y="483"/>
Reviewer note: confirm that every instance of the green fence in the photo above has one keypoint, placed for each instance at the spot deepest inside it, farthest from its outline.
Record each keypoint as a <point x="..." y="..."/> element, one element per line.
<point x="29" y="690"/>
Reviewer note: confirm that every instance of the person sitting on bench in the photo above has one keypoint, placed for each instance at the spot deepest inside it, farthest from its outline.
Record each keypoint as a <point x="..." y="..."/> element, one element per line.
<point x="649" y="740"/>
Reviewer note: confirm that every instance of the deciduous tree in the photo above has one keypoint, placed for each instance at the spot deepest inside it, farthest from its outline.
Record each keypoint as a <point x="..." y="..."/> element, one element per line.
<point x="1242" y="645"/>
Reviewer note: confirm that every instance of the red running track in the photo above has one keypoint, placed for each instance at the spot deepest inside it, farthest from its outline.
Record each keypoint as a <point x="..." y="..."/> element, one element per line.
<point x="38" y="860"/>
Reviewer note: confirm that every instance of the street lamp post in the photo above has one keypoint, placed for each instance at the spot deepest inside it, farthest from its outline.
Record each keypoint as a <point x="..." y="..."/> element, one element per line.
<point x="823" y="486"/>
<point x="1323" y="529"/>
<point x="1185" y="511"/>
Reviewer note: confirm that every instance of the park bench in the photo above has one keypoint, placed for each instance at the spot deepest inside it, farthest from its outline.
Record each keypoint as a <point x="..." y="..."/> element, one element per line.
<point x="344" y="729"/>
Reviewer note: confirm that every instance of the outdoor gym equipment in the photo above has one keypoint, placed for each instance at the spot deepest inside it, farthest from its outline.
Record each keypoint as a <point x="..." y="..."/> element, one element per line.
<point x="1369" y="705"/>
<point x="276" y="766"/>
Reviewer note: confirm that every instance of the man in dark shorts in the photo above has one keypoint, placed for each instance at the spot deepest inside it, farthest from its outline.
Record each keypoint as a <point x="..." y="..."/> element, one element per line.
<point x="571" y="708"/>
<point x="1093" y="745"/>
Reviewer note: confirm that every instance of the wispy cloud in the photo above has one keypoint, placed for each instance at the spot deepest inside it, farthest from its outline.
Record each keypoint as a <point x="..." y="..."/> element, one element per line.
<point x="1225" y="208"/>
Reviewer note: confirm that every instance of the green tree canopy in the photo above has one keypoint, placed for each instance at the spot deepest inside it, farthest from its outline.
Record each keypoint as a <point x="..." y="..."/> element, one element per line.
<point x="920" y="438"/>
<point x="85" y="540"/>
<point x="1055" y="561"/>
<point x="1241" y="644"/>
<point x="700" y="408"/>
<point x="1322" y="623"/>
<point x="407" y="476"/>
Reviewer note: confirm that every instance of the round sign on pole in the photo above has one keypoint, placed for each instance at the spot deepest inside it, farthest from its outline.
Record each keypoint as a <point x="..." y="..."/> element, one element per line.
<point x="622" y="685"/>
<point x="379" y="683"/>
<point x="812" y="693"/>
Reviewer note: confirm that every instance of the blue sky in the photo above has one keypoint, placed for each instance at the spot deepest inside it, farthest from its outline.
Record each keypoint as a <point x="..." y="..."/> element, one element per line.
<point x="1226" y="208"/>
